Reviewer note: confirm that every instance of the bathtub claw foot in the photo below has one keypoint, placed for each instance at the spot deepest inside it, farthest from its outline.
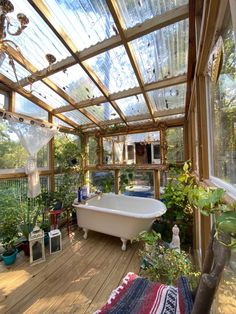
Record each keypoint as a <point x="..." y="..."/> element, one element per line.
<point x="85" y="236"/>
<point x="124" y="242"/>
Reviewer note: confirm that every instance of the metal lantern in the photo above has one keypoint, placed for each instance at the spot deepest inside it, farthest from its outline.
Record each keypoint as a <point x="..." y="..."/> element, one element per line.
<point x="55" y="243"/>
<point x="36" y="244"/>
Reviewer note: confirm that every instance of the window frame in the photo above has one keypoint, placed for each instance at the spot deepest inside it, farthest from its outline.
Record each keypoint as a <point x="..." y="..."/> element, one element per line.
<point x="229" y="188"/>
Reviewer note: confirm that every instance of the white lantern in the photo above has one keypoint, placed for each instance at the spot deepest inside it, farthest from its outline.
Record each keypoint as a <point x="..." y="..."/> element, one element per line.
<point x="55" y="243"/>
<point x="36" y="243"/>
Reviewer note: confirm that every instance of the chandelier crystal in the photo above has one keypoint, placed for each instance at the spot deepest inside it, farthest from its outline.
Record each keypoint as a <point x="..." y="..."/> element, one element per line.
<point x="7" y="27"/>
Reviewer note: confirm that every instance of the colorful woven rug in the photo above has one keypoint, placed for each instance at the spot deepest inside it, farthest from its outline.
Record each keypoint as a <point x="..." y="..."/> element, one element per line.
<point x="138" y="295"/>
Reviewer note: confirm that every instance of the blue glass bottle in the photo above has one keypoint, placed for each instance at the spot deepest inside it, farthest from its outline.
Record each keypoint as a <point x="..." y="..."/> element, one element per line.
<point x="79" y="194"/>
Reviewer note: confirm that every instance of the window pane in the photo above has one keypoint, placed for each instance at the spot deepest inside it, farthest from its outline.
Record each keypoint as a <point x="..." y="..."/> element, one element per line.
<point x="27" y="107"/>
<point x="4" y="100"/>
<point x="140" y="185"/>
<point x="92" y="146"/>
<point x="107" y="151"/>
<point x="12" y="153"/>
<point x="102" y="181"/>
<point x="175" y="144"/>
<point x="223" y="111"/>
<point x="67" y="147"/>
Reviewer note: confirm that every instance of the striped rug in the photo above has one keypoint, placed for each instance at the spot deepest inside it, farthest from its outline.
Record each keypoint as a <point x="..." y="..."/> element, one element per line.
<point x="137" y="295"/>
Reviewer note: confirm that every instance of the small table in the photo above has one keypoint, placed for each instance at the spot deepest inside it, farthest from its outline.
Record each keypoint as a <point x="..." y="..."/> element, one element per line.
<point x="54" y="215"/>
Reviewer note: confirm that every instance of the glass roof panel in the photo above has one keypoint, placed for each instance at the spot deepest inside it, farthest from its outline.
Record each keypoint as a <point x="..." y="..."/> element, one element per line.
<point x="27" y="107"/>
<point x="169" y="97"/>
<point x="103" y="112"/>
<point x="60" y="122"/>
<point x="163" y="53"/>
<point x="47" y="95"/>
<point x="114" y="69"/>
<point x="134" y="12"/>
<point x="76" y="83"/>
<point x="86" y="22"/>
<point x="132" y="106"/>
<point x="77" y="117"/>
<point x="37" y="39"/>
<point x="7" y="70"/>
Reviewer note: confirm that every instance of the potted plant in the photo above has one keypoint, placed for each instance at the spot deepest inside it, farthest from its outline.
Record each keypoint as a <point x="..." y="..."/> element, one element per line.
<point x="28" y="213"/>
<point x="179" y="211"/>
<point x="8" y="227"/>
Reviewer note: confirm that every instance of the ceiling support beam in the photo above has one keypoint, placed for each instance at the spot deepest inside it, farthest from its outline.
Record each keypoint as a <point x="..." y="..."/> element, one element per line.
<point x="113" y="7"/>
<point x="47" y="17"/>
<point x="127" y="93"/>
<point x="163" y="113"/>
<point x="135" y="32"/>
<point x="37" y="101"/>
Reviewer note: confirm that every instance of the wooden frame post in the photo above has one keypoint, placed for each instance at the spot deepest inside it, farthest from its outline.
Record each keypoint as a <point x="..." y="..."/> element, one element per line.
<point x="117" y="181"/>
<point x="51" y="148"/>
<point x="156" y="175"/>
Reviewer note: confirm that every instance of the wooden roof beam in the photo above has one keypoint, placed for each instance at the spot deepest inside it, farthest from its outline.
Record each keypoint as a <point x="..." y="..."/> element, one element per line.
<point x="113" y="7"/>
<point x="176" y="80"/>
<point x="36" y="100"/>
<point x="135" y="32"/>
<point x="43" y="11"/>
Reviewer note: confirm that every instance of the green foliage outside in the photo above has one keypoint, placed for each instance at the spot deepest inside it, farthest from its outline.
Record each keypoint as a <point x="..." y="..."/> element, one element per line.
<point x="175" y="142"/>
<point x="12" y="153"/>
<point x="179" y="211"/>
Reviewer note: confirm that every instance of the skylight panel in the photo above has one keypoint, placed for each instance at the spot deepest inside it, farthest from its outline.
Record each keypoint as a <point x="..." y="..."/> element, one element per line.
<point x="77" y="117"/>
<point x="60" y="122"/>
<point x="37" y="39"/>
<point x="168" y="98"/>
<point x="47" y="95"/>
<point x="7" y="70"/>
<point x="28" y="108"/>
<point x="76" y="83"/>
<point x="137" y="11"/>
<point x="133" y="106"/>
<point x="114" y="69"/>
<point x="163" y="53"/>
<point x="103" y="112"/>
<point x="86" y="22"/>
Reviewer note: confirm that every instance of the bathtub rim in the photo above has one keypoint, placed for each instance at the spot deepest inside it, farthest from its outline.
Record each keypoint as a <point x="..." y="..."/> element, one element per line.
<point x="161" y="212"/>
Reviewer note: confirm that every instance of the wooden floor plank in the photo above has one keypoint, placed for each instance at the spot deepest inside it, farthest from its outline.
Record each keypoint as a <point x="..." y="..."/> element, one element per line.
<point x="113" y="280"/>
<point x="81" y="272"/>
<point x="77" y="280"/>
<point x="45" y="284"/>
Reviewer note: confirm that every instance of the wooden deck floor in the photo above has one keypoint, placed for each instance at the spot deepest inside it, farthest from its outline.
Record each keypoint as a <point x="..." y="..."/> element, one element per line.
<point x="77" y="280"/>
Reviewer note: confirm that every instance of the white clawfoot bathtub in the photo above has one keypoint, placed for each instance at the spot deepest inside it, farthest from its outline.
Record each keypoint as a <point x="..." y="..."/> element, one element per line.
<point x="118" y="215"/>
